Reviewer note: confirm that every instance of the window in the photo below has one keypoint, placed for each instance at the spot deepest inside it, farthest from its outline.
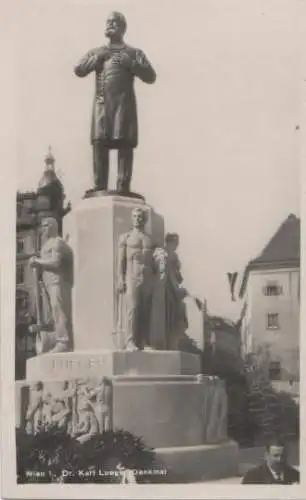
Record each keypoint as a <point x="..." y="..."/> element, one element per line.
<point x="19" y="274"/>
<point x="273" y="320"/>
<point x="272" y="289"/>
<point x="43" y="203"/>
<point x="275" y="370"/>
<point x="29" y="204"/>
<point x="20" y="245"/>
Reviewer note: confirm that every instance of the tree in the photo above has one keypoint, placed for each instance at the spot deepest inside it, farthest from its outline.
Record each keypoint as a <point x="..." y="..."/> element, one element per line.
<point x="256" y="410"/>
<point x="271" y="412"/>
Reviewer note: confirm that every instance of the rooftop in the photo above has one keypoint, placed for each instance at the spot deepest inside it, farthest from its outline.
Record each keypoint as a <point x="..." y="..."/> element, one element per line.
<point x="283" y="250"/>
<point x="284" y="244"/>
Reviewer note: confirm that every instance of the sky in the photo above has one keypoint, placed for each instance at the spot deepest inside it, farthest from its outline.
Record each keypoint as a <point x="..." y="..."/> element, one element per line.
<point x="218" y="152"/>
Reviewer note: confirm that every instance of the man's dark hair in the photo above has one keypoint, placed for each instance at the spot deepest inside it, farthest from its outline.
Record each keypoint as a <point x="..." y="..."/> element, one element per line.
<point x="171" y="237"/>
<point x="275" y="441"/>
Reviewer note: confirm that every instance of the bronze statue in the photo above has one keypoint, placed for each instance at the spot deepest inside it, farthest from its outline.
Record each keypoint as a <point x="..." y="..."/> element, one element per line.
<point x="56" y="265"/>
<point x="135" y="281"/>
<point x="114" y="118"/>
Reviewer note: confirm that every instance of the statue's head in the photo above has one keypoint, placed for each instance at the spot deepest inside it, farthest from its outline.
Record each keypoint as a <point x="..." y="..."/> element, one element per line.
<point x="139" y="217"/>
<point x="172" y="241"/>
<point x="115" y="25"/>
<point x="160" y="258"/>
<point x="49" y="228"/>
<point x="48" y="398"/>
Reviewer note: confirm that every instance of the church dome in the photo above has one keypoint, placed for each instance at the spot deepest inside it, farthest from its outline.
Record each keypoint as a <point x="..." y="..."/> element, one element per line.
<point x="50" y="189"/>
<point x="49" y="177"/>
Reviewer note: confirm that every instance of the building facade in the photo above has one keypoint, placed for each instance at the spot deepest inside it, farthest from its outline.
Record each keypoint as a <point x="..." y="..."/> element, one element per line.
<point x="270" y="291"/>
<point x="25" y="300"/>
<point x="31" y="207"/>
<point x="222" y="344"/>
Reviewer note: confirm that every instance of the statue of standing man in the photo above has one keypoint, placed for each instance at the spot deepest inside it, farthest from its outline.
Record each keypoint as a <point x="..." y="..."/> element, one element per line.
<point x="114" y="118"/>
<point x="135" y="273"/>
<point x="56" y="267"/>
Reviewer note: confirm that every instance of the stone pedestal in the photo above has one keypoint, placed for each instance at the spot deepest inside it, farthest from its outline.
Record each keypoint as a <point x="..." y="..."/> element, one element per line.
<point x="93" y="229"/>
<point x="183" y="417"/>
<point x="157" y="395"/>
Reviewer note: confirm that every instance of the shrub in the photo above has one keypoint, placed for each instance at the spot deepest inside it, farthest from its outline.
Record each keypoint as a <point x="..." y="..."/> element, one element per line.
<point x="241" y="428"/>
<point x="52" y="455"/>
<point x="266" y="412"/>
<point x="273" y="412"/>
<point x="111" y="449"/>
<point x="42" y="457"/>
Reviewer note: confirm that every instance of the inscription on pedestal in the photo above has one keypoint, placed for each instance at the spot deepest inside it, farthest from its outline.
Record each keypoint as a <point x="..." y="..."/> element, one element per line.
<point x="89" y="363"/>
<point x="55" y="367"/>
<point x="72" y="364"/>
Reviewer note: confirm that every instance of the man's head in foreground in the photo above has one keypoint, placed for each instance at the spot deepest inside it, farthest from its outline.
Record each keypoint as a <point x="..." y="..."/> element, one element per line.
<point x="276" y="454"/>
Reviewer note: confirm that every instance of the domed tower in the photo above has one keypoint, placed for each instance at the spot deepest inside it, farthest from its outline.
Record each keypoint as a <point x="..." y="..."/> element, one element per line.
<point x="50" y="192"/>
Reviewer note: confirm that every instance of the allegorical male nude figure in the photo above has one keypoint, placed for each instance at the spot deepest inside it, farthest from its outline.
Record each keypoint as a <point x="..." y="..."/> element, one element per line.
<point x="135" y="281"/>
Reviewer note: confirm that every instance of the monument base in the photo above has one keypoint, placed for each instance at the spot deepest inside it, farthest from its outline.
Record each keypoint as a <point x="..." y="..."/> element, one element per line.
<point x="159" y="396"/>
<point x="165" y="410"/>
<point x="182" y="417"/>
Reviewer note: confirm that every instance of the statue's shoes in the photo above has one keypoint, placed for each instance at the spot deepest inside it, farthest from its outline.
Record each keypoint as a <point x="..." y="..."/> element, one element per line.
<point x="60" y="347"/>
<point x="131" y="346"/>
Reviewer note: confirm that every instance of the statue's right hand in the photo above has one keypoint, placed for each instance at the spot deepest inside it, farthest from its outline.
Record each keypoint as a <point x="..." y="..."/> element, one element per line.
<point x="103" y="55"/>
